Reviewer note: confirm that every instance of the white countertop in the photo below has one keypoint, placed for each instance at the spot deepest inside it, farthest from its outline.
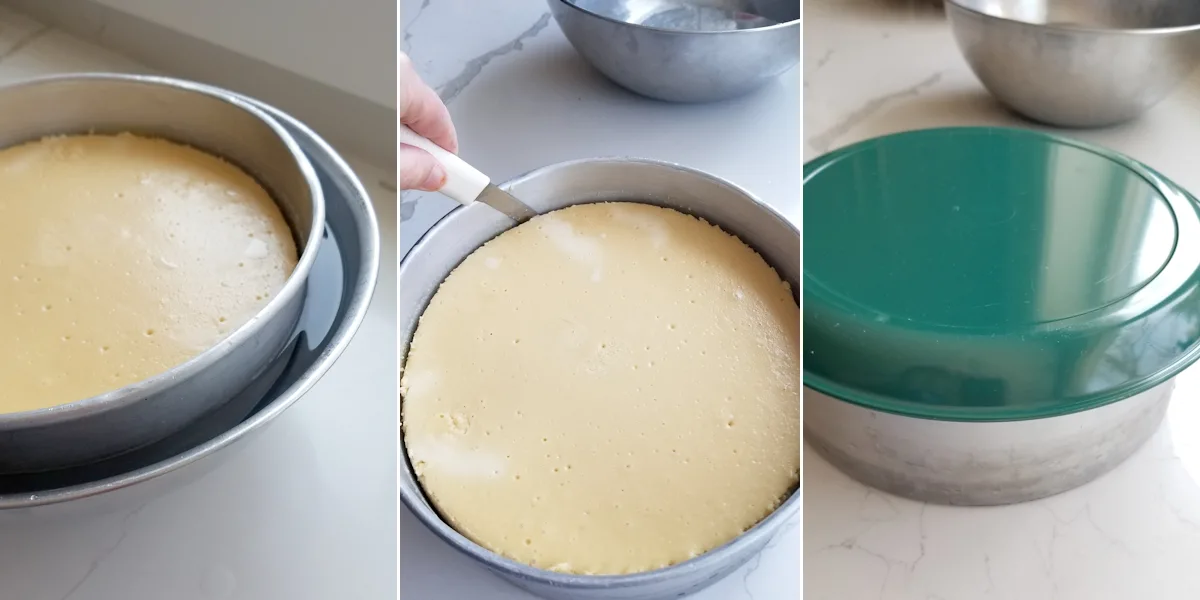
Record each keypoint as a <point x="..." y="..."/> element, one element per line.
<point x="874" y="67"/>
<point x="305" y="511"/>
<point x="521" y="99"/>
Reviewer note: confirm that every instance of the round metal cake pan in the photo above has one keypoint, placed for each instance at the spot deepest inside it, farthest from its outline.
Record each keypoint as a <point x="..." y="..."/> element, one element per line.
<point x="209" y="119"/>
<point x="463" y="230"/>
<point x="350" y="219"/>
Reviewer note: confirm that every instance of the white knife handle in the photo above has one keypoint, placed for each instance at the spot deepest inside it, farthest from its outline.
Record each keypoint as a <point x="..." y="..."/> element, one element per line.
<point x="463" y="182"/>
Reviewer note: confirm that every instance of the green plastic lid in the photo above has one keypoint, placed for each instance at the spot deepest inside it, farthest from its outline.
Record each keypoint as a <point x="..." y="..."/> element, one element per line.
<point x="986" y="274"/>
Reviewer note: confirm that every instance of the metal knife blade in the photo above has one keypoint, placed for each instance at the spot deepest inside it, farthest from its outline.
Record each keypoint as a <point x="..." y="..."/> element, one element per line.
<point x="506" y="203"/>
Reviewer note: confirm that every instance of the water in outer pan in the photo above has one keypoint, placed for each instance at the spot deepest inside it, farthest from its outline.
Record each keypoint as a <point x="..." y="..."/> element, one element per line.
<point x="328" y="286"/>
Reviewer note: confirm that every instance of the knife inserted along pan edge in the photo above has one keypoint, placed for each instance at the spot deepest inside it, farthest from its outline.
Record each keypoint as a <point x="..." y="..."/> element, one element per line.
<point x="466" y="184"/>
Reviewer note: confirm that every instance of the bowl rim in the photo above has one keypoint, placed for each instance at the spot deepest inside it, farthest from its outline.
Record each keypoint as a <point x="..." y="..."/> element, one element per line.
<point x="133" y="393"/>
<point x="708" y="561"/>
<point x="665" y="30"/>
<point x="1068" y="28"/>
<point x="361" y="294"/>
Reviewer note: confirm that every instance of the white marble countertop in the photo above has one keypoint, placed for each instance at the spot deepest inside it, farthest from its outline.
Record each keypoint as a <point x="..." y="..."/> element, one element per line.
<point x="305" y="511"/>
<point x="874" y="67"/>
<point x="521" y="98"/>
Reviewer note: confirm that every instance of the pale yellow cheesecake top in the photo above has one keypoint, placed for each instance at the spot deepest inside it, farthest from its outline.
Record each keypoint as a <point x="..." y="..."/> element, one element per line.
<point x="608" y="388"/>
<point x="123" y="256"/>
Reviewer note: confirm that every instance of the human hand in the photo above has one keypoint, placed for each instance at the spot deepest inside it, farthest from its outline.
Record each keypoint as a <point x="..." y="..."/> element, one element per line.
<point x="422" y="111"/>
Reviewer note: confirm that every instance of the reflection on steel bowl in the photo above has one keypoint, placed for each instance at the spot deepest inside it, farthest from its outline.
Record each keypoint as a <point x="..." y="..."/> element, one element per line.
<point x="1078" y="63"/>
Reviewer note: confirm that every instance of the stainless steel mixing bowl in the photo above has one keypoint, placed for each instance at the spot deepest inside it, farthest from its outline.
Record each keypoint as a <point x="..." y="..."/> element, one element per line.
<point x="218" y="122"/>
<point x="980" y="464"/>
<point x="559" y="186"/>
<point x="1078" y="63"/>
<point x="684" y="50"/>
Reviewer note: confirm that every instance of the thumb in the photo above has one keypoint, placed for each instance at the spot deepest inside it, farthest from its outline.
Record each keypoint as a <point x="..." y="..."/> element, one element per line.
<point x="419" y="171"/>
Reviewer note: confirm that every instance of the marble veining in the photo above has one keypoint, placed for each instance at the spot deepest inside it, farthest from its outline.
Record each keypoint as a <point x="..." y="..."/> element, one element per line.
<point x="104" y="553"/>
<point x="874" y="67"/>
<point x="823" y="141"/>
<point x="451" y="89"/>
<point x="412" y="21"/>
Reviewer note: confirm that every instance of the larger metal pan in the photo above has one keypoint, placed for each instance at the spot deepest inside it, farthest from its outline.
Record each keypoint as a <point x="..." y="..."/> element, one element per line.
<point x="218" y="122"/>
<point x="596" y="180"/>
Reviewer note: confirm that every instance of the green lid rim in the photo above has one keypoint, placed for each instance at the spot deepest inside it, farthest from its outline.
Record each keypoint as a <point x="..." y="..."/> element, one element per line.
<point x="878" y="402"/>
